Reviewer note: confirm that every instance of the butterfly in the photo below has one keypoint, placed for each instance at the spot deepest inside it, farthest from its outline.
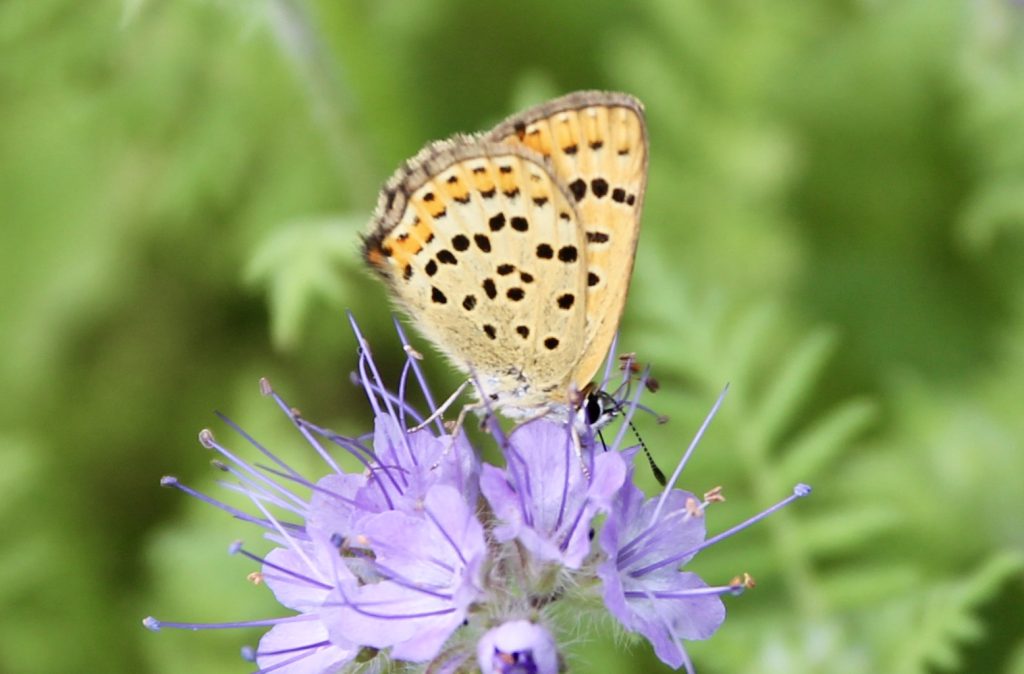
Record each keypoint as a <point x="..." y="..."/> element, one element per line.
<point x="512" y="250"/>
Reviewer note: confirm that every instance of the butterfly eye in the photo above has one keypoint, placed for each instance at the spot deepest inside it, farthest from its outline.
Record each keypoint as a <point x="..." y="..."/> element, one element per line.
<point x="594" y="409"/>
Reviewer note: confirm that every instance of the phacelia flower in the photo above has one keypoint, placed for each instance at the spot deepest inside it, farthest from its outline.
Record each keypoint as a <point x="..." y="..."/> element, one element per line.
<point x="517" y="647"/>
<point x="426" y="560"/>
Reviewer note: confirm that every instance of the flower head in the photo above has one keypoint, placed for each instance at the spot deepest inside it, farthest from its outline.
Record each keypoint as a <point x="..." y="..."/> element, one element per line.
<point x="517" y="647"/>
<point x="402" y="562"/>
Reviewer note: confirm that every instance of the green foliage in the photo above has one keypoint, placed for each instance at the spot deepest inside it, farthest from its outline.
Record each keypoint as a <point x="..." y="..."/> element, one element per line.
<point x="298" y="264"/>
<point x="833" y="228"/>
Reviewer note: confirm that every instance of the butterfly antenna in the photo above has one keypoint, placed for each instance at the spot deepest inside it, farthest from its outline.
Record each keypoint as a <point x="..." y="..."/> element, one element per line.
<point x="658" y="475"/>
<point x="600" y="436"/>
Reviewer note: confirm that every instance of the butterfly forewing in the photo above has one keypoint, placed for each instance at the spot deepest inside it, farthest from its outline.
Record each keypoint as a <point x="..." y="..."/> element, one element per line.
<point x="596" y="144"/>
<point x="483" y="248"/>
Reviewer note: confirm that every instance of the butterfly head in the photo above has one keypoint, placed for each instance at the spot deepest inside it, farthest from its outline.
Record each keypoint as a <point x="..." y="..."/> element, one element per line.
<point x="596" y="409"/>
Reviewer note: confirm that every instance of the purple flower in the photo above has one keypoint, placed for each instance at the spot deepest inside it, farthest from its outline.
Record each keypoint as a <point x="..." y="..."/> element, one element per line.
<point x="641" y="590"/>
<point x="404" y="562"/>
<point x="431" y="562"/>
<point x="543" y="498"/>
<point x="517" y="647"/>
<point x="646" y="541"/>
<point x="302" y="645"/>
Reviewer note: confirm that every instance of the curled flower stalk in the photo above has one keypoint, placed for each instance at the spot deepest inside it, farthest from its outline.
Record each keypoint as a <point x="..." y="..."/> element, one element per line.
<point x="427" y="560"/>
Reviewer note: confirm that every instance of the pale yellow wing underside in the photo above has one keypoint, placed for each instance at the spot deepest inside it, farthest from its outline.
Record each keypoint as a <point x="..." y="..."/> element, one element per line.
<point x="484" y="250"/>
<point x="512" y="251"/>
<point x="596" y="143"/>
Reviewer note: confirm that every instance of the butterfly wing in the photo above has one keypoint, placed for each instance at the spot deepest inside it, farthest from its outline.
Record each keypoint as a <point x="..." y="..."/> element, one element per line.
<point x="483" y="249"/>
<point x="596" y="144"/>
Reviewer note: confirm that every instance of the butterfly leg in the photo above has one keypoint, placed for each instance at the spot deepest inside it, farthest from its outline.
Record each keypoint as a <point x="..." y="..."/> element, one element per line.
<point x="456" y="427"/>
<point x="577" y="446"/>
<point x="443" y="407"/>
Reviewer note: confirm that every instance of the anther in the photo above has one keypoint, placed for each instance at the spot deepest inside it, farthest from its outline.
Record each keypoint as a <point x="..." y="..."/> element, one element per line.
<point x="206" y="438"/>
<point x="693" y="507"/>
<point x="412" y="353"/>
<point x="265" y="388"/>
<point x="714" y="495"/>
<point x="256" y="578"/>
<point x="742" y="582"/>
<point x="168" y="481"/>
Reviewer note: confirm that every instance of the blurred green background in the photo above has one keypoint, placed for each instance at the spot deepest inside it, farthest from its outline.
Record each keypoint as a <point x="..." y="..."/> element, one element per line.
<point x="834" y="225"/>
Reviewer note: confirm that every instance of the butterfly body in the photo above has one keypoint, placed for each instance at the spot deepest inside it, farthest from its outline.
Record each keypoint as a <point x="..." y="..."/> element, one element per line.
<point x="512" y="250"/>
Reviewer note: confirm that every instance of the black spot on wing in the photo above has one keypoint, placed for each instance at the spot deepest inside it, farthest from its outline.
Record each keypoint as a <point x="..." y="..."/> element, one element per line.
<point x="578" y="188"/>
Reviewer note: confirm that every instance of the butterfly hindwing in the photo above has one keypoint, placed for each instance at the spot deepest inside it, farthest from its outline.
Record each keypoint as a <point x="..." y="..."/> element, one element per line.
<point x="483" y="248"/>
<point x="596" y="144"/>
